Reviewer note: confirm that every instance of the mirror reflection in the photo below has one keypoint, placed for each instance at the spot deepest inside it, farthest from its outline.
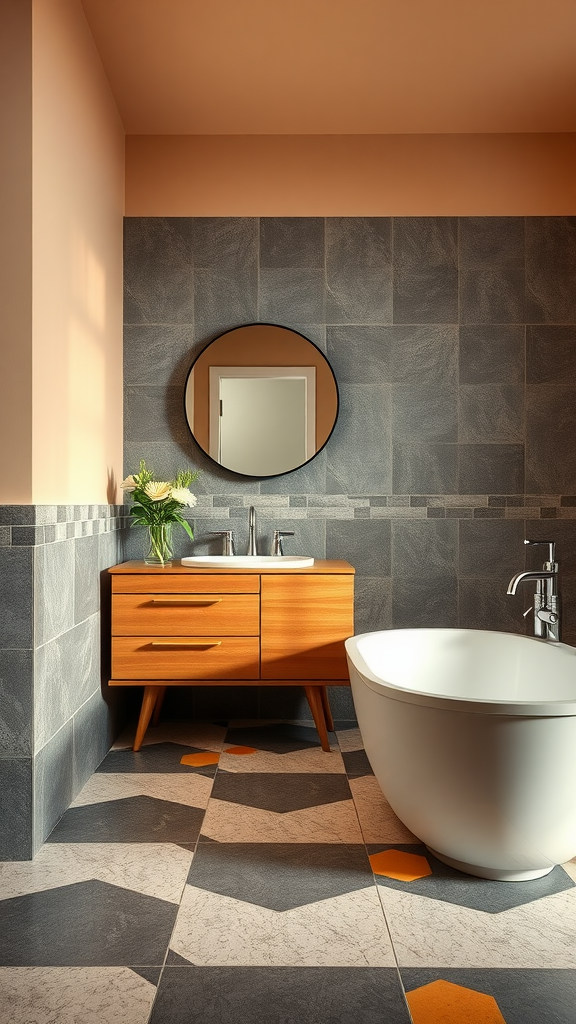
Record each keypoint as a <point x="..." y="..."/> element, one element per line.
<point x="261" y="400"/>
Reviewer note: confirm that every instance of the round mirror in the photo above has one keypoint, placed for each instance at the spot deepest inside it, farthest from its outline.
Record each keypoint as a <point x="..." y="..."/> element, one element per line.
<point x="261" y="400"/>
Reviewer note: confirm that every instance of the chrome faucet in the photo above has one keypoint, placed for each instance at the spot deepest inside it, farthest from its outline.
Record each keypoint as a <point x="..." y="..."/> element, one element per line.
<point x="252" y="531"/>
<point x="546" y="598"/>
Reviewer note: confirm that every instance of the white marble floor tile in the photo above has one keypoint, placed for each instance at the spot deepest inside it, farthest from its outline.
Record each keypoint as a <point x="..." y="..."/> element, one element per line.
<point x="190" y="788"/>
<point x="154" y="869"/>
<point x="349" y="739"/>
<point x="378" y="822"/>
<point x="428" y="933"/>
<point x="74" y="995"/>
<point x="312" y="760"/>
<point x="235" y="823"/>
<point x="193" y="734"/>
<point x="346" y="931"/>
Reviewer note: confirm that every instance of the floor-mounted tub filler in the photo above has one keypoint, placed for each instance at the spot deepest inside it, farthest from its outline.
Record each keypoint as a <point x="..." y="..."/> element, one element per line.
<point x="472" y="737"/>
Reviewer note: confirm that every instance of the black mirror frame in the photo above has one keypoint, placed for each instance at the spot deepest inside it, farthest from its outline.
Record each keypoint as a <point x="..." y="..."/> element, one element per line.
<point x="270" y="476"/>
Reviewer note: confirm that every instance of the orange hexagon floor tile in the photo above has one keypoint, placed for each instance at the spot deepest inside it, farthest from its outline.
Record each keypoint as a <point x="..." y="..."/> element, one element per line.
<point x="442" y="1002"/>
<point x="241" y="751"/>
<point x="405" y="867"/>
<point x="200" y="760"/>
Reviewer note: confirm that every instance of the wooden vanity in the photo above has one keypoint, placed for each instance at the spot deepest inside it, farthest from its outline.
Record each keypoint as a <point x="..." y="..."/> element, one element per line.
<point x="182" y="626"/>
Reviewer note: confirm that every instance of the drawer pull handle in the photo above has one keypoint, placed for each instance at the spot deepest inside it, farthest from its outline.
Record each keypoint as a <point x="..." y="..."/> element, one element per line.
<point x="186" y="600"/>
<point x="186" y="643"/>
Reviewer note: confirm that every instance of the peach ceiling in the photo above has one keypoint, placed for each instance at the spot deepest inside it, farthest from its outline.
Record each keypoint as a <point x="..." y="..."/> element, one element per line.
<point x="236" y="67"/>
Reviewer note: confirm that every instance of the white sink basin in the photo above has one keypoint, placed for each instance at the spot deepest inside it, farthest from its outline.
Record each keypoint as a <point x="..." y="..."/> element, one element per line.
<point x="250" y="561"/>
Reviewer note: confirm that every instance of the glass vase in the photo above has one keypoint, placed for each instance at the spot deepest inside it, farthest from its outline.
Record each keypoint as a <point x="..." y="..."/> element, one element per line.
<point x="159" y="550"/>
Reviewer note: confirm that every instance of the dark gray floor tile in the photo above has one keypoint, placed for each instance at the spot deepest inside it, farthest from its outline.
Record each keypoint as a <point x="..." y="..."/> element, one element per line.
<point x="363" y="543"/>
<point x="298" y="995"/>
<point x="359" y="354"/>
<point x="424" y="468"/>
<point x="448" y="885"/>
<point x="491" y="256"/>
<point x="523" y="996"/>
<point x="551" y="355"/>
<point x="158" y="270"/>
<point x="16" y="841"/>
<point x="86" y="924"/>
<point x="492" y="354"/>
<point x="356" y="764"/>
<point x="278" y="738"/>
<point x="425" y="270"/>
<point x="136" y="819"/>
<point x="152" y="757"/>
<point x="292" y="242"/>
<point x="280" y="876"/>
<point x="491" y="468"/>
<point x="550" y="270"/>
<point x="281" y="793"/>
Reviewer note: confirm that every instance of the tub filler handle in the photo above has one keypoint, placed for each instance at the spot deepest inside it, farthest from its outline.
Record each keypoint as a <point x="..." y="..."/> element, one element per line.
<point x="546" y="605"/>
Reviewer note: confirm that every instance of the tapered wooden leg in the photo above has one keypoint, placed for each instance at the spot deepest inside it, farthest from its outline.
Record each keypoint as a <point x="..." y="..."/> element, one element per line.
<point x="148" y="702"/>
<point x="326" y="706"/>
<point x="158" y="705"/>
<point x="314" y="697"/>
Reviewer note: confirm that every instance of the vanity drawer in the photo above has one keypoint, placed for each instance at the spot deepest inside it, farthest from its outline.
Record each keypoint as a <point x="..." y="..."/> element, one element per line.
<point x="186" y="614"/>
<point x="186" y="583"/>
<point x="180" y="657"/>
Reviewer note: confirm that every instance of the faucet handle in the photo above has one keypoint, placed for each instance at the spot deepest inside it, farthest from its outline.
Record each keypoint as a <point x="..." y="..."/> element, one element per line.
<point x="279" y="535"/>
<point x="227" y="541"/>
<point x="551" y="548"/>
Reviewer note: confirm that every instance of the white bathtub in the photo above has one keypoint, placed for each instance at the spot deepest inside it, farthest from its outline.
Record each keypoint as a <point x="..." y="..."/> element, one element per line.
<point x="472" y="737"/>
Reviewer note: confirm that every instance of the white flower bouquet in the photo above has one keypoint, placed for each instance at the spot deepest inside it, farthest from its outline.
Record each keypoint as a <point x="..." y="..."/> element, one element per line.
<point x="158" y="504"/>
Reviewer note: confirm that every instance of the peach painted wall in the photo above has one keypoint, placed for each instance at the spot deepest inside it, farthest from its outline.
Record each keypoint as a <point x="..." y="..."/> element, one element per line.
<point x="351" y="175"/>
<point x="16" y="252"/>
<point x="78" y="195"/>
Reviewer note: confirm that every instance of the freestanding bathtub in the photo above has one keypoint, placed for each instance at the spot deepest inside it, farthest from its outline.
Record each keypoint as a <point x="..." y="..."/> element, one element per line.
<point x="472" y="737"/>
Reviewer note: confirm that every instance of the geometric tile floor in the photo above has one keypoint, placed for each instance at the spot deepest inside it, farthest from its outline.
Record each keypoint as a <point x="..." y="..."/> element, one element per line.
<point x="241" y="873"/>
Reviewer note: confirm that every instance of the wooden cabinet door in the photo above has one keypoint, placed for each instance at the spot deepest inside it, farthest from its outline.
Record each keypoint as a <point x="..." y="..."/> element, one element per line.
<point x="304" y="622"/>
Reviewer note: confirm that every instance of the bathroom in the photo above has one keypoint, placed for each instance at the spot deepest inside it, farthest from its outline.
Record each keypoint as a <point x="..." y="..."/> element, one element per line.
<point x="450" y="329"/>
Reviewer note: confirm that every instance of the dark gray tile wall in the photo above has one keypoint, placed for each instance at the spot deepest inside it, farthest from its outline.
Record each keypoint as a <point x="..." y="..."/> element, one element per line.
<point x="453" y="341"/>
<point x="57" y="719"/>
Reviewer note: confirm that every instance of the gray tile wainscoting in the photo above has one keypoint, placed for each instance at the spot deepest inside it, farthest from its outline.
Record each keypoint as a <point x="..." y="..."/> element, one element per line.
<point x="57" y="719"/>
<point x="453" y="341"/>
